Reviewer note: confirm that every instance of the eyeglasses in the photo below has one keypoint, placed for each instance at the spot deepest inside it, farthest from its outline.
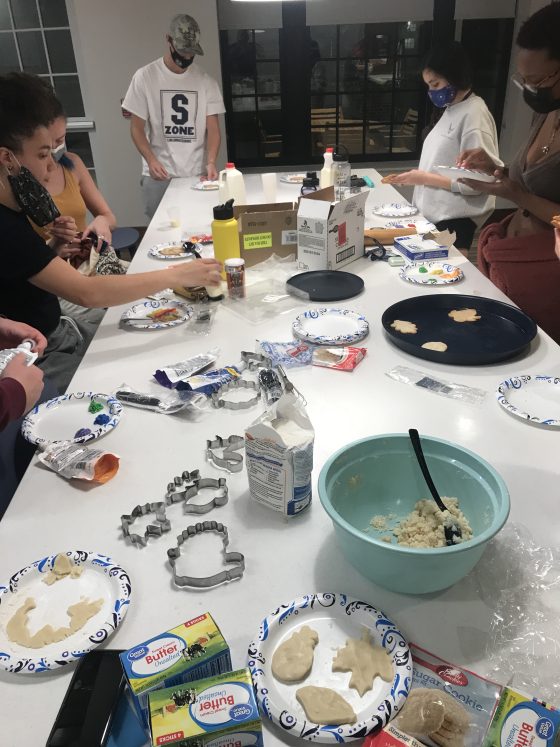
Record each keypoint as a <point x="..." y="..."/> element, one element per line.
<point x="520" y="82"/>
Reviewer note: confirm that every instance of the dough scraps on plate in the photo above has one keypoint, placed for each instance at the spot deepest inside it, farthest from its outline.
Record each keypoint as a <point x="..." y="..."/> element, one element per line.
<point x="325" y="706"/>
<point x="365" y="661"/>
<point x="62" y="567"/>
<point x="293" y="659"/>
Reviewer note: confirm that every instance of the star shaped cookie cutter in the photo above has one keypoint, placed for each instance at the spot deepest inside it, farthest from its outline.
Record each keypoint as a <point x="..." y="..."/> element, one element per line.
<point x="206" y="582"/>
<point x="218" y="401"/>
<point x="178" y="491"/>
<point x="152" y="530"/>
<point x="229" y="460"/>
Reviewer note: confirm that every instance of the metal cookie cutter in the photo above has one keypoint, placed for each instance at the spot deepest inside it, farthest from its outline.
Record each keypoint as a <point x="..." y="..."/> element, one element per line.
<point x="255" y="360"/>
<point x="152" y="530"/>
<point x="218" y="401"/>
<point x="206" y="581"/>
<point x="229" y="460"/>
<point x="177" y="491"/>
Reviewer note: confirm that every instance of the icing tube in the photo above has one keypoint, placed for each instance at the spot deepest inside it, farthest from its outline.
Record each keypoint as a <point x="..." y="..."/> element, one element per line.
<point x="80" y="462"/>
<point x="170" y="375"/>
<point x="211" y="381"/>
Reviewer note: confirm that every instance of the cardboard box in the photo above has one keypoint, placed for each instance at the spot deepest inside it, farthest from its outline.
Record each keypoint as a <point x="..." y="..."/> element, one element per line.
<point x="330" y="236"/>
<point x="417" y="248"/>
<point x="265" y="230"/>
<point x="219" y="711"/>
<point x="191" y="651"/>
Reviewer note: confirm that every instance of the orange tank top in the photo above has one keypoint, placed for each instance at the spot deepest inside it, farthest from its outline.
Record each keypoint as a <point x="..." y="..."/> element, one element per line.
<point x="69" y="202"/>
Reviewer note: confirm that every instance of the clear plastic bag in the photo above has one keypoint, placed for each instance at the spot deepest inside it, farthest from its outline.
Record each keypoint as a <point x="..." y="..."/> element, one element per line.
<point x="438" y="386"/>
<point x="266" y="299"/>
<point x="273" y="268"/>
<point x="202" y="319"/>
<point x="168" y="404"/>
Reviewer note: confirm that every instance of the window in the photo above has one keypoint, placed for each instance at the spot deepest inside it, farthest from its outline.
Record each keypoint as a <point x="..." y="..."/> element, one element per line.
<point x="35" y="38"/>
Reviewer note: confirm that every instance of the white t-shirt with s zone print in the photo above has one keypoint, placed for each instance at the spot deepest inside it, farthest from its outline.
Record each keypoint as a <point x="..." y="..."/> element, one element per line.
<point x="175" y="107"/>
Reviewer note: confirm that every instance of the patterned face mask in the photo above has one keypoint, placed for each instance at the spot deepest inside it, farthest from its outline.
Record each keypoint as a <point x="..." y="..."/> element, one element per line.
<point x="442" y="96"/>
<point x="33" y="199"/>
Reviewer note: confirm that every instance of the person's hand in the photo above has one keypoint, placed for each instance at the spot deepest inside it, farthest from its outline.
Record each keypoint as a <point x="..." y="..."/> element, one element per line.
<point x="212" y="173"/>
<point x="12" y="333"/>
<point x="157" y="171"/>
<point x="99" y="226"/>
<point x="505" y="187"/>
<point x="476" y="158"/>
<point x="68" y="250"/>
<point x="198" y="272"/>
<point x="557" y="245"/>
<point x="63" y="230"/>
<point x="30" y="377"/>
<point x="415" y="177"/>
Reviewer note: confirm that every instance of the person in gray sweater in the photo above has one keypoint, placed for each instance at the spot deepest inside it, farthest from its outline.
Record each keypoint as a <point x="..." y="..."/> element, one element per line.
<point x="465" y="119"/>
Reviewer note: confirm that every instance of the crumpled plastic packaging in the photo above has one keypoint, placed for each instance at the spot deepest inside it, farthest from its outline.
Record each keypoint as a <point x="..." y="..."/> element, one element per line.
<point x="79" y="461"/>
<point x="167" y="404"/>
<point x="266" y="299"/>
<point x="436" y="385"/>
<point x="170" y="375"/>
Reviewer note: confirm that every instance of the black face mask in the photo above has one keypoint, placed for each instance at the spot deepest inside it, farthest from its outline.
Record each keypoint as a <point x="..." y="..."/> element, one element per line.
<point x="181" y="62"/>
<point x="541" y="100"/>
<point x="33" y="199"/>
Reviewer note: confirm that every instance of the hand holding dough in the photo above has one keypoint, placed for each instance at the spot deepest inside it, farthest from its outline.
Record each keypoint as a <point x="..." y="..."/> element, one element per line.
<point x="464" y="315"/>
<point x="441" y="346"/>
<point x="406" y="328"/>
<point x="387" y="179"/>
<point x="324" y="706"/>
<point x="365" y="661"/>
<point x="293" y="659"/>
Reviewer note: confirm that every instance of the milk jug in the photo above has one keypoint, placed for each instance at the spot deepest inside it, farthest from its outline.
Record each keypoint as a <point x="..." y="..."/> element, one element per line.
<point x="231" y="185"/>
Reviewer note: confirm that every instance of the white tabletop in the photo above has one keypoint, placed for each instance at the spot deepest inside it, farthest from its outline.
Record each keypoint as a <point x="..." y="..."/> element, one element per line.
<point x="284" y="559"/>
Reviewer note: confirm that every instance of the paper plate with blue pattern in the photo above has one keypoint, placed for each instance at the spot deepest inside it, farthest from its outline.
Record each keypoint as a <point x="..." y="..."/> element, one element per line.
<point x="533" y="398"/>
<point x="76" y="418"/>
<point x="156" y="314"/>
<point x="431" y="273"/>
<point x="330" y="327"/>
<point x="101" y="578"/>
<point x="394" y="209"/>
<point x="335" y="618"/>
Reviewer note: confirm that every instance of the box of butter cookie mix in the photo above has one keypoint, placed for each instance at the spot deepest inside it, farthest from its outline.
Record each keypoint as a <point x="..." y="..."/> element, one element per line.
<point x="218" y="711"/>
<point x="449" y="706"/>
<point x="191" y="651"/>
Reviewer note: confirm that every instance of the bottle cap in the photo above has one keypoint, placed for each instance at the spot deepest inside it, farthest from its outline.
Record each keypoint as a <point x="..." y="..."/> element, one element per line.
<point x="230" y="165"/>
<point x="338" y="156"/>
<point x="224" y="212"/>
<point x="233" y="263"/>
<point x="329" y="150"/>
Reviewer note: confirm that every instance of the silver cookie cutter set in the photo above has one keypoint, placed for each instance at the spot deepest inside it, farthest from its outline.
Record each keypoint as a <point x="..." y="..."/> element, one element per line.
<point x="205" y="582"/>
<point x="152" y="530"/>
<point x="229" y="460"/>
<point x="254" y="361"/>
<point x="181" y="490"/>
<point x="218" y="400"/>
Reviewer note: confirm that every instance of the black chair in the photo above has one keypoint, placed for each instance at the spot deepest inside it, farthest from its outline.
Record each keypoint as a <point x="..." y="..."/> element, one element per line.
<point x="125" y="238"/>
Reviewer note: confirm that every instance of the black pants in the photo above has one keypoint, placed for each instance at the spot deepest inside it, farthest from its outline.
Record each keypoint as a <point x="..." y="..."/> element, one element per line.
<point x="464" y="230"/>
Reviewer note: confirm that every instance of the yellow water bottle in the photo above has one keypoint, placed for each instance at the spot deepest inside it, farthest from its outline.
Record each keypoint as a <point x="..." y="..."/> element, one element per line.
<point x="225" y="234"/>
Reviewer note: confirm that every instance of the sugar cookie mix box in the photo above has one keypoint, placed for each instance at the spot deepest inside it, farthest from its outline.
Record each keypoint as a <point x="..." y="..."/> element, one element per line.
<point x="218" y="711"/>
<point x="191" y="651"/>
<point x="419" y="248"/>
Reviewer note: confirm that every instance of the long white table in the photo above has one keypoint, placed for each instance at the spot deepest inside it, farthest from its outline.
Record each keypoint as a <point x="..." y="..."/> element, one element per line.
<point x="283" y="559"/>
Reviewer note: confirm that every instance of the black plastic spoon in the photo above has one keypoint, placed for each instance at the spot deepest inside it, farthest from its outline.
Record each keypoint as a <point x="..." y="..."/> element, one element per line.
<point x="452" y="528"/>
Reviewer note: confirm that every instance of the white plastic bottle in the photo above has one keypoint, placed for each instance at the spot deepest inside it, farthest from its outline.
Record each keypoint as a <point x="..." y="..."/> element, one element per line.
<point x="234" y="183"/>
<point x="26" y="346"/>
<point x="326" y="178"/>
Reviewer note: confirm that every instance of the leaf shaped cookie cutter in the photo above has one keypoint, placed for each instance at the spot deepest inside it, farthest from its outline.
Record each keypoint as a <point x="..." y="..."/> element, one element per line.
<point x="206" y="582"/>
<point x="152" y="530"/>
<point x="229" y="460"/>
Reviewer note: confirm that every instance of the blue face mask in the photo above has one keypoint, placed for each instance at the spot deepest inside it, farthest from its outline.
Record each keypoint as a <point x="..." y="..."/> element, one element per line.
<point x="443" y="96"/>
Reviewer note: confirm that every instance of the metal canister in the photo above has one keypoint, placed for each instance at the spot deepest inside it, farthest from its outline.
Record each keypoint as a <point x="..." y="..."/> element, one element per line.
<point x="235" y="275"/>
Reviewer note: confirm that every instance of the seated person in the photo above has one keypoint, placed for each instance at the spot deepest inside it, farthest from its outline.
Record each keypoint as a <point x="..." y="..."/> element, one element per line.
<point x="33" y="275"/>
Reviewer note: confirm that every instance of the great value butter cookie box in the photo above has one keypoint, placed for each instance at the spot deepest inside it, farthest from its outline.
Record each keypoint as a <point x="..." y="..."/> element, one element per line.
<point x="191" y="651"/>
<point x="215" y="712"/>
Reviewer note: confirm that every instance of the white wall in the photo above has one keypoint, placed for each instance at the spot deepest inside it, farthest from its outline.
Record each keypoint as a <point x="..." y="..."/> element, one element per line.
<point x="249" y="15"/>
<point x="112" y="39"/>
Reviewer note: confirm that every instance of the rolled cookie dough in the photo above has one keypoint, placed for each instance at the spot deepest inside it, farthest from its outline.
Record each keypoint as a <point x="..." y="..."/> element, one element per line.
<point x="62" y="567"/>
<point x="441" y="346"/>
<point x="365" y="661"/>
<point x="293" y="659"/>
<point x="406" y="328"/>
<point x="464" y="315"/>
<point x="422" y="713"/>
<point x="324" y="706"/>
<point x="18" y="632"/>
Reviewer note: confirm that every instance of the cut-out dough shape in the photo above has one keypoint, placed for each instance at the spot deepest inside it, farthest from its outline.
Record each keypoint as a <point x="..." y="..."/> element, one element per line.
<point x="423" y="713"/>
<point x="62" y="567"/>
<point x="441" y="346"/>
<point x="293" y="659"/>
<point x="406" y="328"/>
<point x="464" y="315"/>
<point x="365" y="661"/>
<point x="324" y="706"/>
<point x="18" y="632"/>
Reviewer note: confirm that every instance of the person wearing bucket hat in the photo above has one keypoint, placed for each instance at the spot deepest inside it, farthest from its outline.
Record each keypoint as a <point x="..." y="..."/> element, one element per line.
<point x="174" y="106"/>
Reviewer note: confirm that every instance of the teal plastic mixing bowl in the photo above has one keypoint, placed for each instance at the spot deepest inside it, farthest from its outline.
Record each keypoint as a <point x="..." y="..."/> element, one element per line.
<point x="380" y="476"/>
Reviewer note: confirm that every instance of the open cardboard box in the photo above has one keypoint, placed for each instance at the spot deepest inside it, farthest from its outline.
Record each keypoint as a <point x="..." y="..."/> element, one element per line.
<point x="265" y="230"/>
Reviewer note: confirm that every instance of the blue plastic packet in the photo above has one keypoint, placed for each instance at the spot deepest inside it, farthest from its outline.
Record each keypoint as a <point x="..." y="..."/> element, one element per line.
<point x="209" y="382"/>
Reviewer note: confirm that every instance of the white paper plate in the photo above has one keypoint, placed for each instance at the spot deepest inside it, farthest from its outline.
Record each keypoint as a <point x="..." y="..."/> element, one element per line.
<point x="422" y="223"/>
<point x="394" y="209"/>
<point x="210" y="186"/>
<point x="422" y="273"/>
<point x="158" y="251"/>
<point x="534" y="398"/>
<point x="137" y="316"/>
<point x="331" y="327"/>
<point x="292" y="178"/>
<point x="335" y="617"/>
<point x="101" y="578"/>
<point x="456" y="172"/>
<point x="66" y="418"/>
